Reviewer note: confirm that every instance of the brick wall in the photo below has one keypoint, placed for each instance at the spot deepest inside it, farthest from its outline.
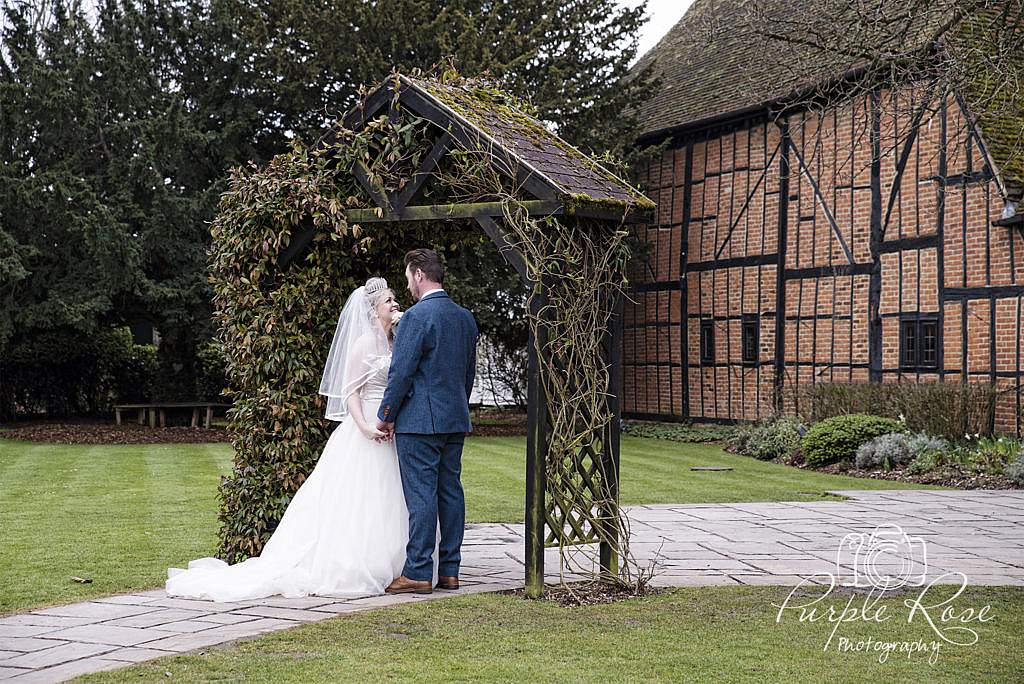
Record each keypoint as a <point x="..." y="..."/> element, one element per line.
<point x="877" y="230"/>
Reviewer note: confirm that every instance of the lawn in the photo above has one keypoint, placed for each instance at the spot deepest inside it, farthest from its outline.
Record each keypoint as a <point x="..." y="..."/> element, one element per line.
<point x="653" y="471"/>
<point x="698" y="634"/>
<point x="121" y="515"/>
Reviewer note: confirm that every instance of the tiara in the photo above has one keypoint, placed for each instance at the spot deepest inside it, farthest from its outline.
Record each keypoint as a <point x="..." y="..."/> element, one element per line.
<point x="375" y="285"/>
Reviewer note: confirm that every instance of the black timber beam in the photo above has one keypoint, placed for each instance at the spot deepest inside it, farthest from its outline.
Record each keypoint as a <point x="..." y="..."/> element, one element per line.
<point x="464" y="133"/>
<point x="436" y="212"/>
<point x="505" y="248"/>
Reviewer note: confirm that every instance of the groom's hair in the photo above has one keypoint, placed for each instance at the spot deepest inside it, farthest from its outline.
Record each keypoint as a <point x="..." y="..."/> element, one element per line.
<point x="428" y="261"/>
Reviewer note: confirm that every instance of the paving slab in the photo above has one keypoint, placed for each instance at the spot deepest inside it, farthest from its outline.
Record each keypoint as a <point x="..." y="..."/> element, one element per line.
<point x="24" y="630"/>
<point x="296" y="615"/>
<point x="97" y="611"/>
<point x="185" y="627"/>
<point x="160" y="617"/>
<point x="12" y="672"/>
<point x="54" y="621"/>
<point x="64" y="653"/>
<point x="134" y="654"/>
<point x="105" y="634"/>
<point x="26" y="644"/>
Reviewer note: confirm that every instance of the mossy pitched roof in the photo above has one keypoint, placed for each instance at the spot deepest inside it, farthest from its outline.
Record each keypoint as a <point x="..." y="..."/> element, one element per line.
<point x="497" y="119"/>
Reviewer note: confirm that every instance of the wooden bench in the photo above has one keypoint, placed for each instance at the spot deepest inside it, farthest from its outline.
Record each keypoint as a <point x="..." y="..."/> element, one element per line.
<point x="161" y="408"/>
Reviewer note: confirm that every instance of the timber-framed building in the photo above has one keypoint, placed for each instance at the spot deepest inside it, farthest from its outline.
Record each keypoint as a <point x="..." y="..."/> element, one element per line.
<point x="792" y="249"/>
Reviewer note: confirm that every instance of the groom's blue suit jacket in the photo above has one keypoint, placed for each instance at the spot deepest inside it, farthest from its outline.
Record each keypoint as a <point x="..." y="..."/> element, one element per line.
<point x="432" y="369"/>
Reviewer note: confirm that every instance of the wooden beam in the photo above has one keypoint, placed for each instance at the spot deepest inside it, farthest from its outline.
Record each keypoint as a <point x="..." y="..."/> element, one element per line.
<point x="1015" y="220"/>
<point x="505" y="248"/>
<point x="362" y="175"/>
<point x="366" y="110"/>
<point x="435" y="212"/>
<point x="609" y="549"/>
<point x="875" y="239"/>
<point x="632" y="215"/>
<point x="785" y="169"/>
<point x="420" y="177"/>
<point x="534" y="182"/>
<point x="302" y="236"/>
<point x="536" y="459"/>
<point x="822" y="203"/>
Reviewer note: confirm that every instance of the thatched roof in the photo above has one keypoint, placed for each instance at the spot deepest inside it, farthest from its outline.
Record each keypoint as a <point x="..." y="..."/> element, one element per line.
<point x="709" y="71"/>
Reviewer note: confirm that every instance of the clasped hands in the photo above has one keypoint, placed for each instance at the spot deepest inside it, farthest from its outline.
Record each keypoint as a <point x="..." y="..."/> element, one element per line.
<point x="383" y="432"/>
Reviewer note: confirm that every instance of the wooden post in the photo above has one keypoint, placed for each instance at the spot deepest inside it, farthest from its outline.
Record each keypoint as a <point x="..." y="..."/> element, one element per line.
<point x="152" y="417"/>
<point x="778" y="382"/>
<point x="609" y="547"/>
<point x="209" y="415"/>
<point x="163" y="417"/>
<point x="117" y="415"/>
<point x="536" y="431"/>
<point x="536" y="463"/>
<point x="195" y="416"/>
<point x="875" y="238"/>
<point x="142" y="416"/>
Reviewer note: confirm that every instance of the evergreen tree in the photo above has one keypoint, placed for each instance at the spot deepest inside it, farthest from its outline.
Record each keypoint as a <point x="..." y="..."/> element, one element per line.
<point x="118" y="125"/>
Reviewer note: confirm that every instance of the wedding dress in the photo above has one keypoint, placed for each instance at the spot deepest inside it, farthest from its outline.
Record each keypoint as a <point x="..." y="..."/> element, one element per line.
<point x="344" y="532"/>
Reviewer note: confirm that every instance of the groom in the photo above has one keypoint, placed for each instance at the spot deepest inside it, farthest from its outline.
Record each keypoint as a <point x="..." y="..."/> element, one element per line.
<point x="426" y="406"/>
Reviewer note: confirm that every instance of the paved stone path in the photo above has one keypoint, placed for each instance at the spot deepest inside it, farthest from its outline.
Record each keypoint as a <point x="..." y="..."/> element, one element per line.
<point x="978" y="533"/>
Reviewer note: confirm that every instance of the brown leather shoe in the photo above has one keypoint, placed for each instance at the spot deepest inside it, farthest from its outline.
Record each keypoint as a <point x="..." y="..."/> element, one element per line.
<point x="404" y="585"/>
<point x="447" y="582"/>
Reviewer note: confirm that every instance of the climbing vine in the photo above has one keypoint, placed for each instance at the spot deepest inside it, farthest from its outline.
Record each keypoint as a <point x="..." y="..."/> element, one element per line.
<point x="576" y="267"/>
<point x="275" y="322"/>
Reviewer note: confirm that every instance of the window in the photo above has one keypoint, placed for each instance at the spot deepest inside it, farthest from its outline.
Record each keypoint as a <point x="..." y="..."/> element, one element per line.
<point x="707" y="341"/>
<point x="751" y="338"/>
<point x="919" y="342"/>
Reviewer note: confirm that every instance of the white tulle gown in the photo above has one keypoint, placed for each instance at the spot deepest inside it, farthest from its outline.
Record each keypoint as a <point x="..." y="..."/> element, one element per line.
<point x="343" y="535"/>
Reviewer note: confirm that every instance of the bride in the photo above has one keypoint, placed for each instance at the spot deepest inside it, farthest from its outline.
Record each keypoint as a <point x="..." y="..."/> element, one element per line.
<point x="345" y="530"/>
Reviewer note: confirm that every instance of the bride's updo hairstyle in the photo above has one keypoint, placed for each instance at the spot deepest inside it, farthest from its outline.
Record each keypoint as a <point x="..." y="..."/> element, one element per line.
<point x="376" y="288"/>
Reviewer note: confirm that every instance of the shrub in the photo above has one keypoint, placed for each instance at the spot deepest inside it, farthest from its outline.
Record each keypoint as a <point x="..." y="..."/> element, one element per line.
<point x="211" y="372"/>
<point x="946" y="409"/>
<point x="770" y="440"/>
<point x="992" y="454"/>
<point x="895" y="449"/>
<point x="60" y="373"/>
<point x="838" y="438"/>
<point x="778" y="439"/>
<point x="1015" y="470"/>
<point x="924" y="444"/>
<point x="741" y="437"/>
<point x="925" y="463"/>
<point x="885" y="451"/>
<point x="680" y="432"/>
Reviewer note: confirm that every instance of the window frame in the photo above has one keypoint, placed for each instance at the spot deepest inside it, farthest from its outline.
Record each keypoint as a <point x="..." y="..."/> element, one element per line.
<point x="707" y="341"/>
<point x="750" y="325"/>
<point x="916" y="325"/>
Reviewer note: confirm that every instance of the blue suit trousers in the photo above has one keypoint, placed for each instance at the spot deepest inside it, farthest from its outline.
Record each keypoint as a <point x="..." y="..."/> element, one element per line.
<point x="431" y="468"/>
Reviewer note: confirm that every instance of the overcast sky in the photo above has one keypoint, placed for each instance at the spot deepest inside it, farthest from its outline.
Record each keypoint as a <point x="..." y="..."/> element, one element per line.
<point x="663" y="15"/>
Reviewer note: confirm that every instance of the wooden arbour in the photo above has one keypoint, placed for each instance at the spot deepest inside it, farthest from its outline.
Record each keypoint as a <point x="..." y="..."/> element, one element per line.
<point x="548" y="178"/>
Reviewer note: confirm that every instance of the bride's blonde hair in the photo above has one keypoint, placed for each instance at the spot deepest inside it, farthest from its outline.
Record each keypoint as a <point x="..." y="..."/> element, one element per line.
<point x="377" y="290"/>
